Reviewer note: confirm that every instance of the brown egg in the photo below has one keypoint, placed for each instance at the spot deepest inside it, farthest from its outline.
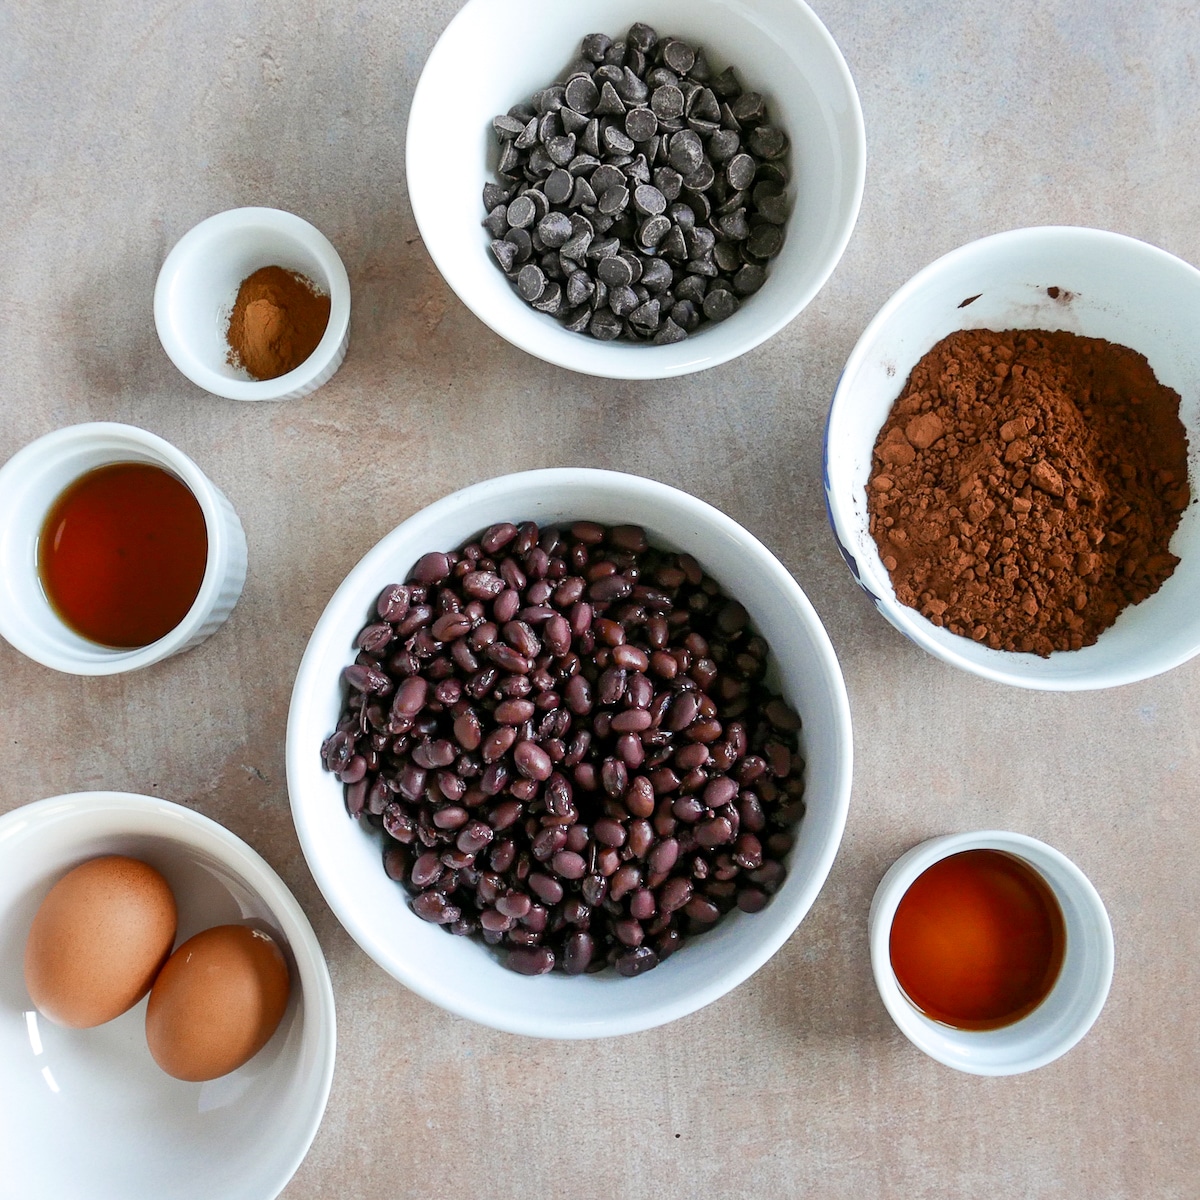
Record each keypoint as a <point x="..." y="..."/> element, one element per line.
<point x="98" y="940"/>
<point x="216" y="1002"/>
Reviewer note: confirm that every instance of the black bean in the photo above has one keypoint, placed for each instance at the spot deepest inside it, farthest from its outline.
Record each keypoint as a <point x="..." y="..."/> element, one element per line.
<point x="546" y="887"/>
<point x="636" y="961"/>
<point x="530" y="960"/>
<point x="532" y="761"/>
<point x="514" y="759"/>
<point x="578" y="952"/>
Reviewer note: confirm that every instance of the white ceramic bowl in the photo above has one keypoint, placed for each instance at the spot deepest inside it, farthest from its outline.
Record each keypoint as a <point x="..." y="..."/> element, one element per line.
<point x="491" y="57"/>
<point x="1074" y="1002"/>
<point x="1110" y="287"/>
<point x="87" y="1112"/>
<point x="464" y="976"/>
<point x="33" y="479"/>
<point x="199" y="282"/>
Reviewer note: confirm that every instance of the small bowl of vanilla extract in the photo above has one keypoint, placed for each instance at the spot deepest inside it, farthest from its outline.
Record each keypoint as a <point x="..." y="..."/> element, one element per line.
<point x="992" y="951"/>
<point x="116" y="550"/>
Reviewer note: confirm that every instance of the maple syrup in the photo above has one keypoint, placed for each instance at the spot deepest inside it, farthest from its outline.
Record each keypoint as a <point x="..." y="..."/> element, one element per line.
<point x="978" y="940"/>
<point x="122" y="554"/>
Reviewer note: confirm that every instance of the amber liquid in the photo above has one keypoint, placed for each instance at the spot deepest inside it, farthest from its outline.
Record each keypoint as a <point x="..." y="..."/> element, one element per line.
<point x="122" y="554"/>
<point x="978" y="940"/>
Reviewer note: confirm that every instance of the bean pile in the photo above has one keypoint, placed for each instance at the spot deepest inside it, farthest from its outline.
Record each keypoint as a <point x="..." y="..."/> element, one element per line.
<point x="568" y="742"/>
<point x="640" y="197"/>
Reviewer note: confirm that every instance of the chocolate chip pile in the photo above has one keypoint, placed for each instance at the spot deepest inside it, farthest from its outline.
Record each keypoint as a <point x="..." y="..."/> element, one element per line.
<point x="640" y="197"/>
<point x="568" y="742"/>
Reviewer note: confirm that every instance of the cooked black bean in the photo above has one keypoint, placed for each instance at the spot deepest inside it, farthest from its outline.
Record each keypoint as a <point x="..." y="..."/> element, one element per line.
<point x="618" y="759"/>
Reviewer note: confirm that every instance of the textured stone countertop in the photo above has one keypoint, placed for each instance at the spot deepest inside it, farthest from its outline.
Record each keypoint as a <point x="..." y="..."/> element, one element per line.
<point x="124" y="125"/>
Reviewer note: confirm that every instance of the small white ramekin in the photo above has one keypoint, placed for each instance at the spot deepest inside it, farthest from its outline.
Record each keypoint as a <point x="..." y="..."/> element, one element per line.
<point x="1074" y="1002"/>
<point x="34" y="478"/>
<point x="199" y="282"/>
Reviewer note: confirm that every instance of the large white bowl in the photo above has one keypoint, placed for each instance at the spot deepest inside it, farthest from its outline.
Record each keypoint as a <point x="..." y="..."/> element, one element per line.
<point x="464" y="976"/>
<point x="492" y="56"/>
<point x="86" y="1113"/>
<point x="1108" y="286"/>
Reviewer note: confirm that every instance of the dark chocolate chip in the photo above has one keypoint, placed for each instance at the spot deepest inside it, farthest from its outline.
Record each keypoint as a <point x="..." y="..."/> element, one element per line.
<point x="720" y="304"/>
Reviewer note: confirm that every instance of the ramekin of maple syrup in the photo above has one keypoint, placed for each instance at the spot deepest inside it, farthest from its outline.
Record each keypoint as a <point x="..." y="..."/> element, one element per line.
<point x="992" y="951"/>
<point x="116" y="550"/>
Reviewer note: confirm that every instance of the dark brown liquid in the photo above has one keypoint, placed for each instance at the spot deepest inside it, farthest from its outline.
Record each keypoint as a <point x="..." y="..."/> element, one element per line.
<point x="122" y="554"/>
<point x="978" y="940"/>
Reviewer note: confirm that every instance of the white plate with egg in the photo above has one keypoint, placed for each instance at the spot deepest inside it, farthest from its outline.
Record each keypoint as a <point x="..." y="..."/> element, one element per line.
<point x="87" y="1114"/>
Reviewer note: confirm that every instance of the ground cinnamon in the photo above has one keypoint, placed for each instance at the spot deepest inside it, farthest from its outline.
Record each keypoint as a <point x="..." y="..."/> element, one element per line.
<point x="1026" y="485"/>
<point x="277" y="321"/>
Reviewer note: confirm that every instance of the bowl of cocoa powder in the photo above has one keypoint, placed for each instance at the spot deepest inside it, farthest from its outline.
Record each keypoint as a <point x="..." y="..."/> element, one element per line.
<point x="1012" y="457"/>
<point x="254" y="304"/>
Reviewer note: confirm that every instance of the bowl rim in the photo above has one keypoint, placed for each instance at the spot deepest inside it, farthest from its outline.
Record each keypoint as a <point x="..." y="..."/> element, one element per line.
<point x="915" y="1026"/>
<point x="209" y="231"/>
<point x="909" y="621"/>
<point x="233" y="851"/>
<point x="650" y="362"/>
<point x="300" y="761"/>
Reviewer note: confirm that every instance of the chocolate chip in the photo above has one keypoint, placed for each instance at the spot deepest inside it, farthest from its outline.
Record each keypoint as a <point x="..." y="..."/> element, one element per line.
<point x="685" y="152"/>
<point x="614" y="271"/>
<point x="669" y="333"/>
<point x="648" y="200"/>
<point x="765" y="240"/>
<point x="749" y="278"/>
<point x="641" y="124"/>
<point x="653" y="231"/>
<point x="557" y="186"/>
<point x="740" y="171"/>
<point x="506" y="254"/>
<point x="679" y="56"/>
<point x="531" y="283"/>
<point x="768" y="142"/>
<point x="720" y="304"/>
<point x="666" y="102"/>
<point x="582" y="94"/>
<point x="615" y="184"/>
<point x="520" y="213"/>
<point x="595" y="46"/>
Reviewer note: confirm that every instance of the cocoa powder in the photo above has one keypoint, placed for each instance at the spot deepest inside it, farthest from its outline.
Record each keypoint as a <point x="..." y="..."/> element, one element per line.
<point x="1026" y="485"/>
<point x="277" y="320"/>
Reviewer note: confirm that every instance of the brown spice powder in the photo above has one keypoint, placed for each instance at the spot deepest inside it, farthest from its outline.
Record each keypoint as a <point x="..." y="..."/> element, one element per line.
<point x="277" y="321"/>
<point x="1026" y="486"/>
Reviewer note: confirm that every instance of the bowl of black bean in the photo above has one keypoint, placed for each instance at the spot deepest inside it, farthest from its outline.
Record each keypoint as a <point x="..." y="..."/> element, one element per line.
<point x="636" y="189"/>
<point x="569" y="753"/>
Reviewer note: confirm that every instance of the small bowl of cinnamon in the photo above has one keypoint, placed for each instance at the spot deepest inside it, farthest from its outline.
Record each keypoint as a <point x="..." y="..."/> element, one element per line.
<point x="254" y="304"/>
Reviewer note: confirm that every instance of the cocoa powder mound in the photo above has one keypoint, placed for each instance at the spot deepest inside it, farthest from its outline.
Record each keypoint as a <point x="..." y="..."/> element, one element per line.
<point x="1026" y="485"/>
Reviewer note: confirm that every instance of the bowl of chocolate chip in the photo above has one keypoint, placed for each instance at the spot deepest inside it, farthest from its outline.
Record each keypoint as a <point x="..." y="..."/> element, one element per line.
<point x="1012" y="456"/>
<point x="636" y="190"/>
<point x="569" y="753"/>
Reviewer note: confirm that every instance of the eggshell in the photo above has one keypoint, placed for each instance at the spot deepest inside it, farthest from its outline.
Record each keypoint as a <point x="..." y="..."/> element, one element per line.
<point x="98" y="940"/>
<point x="217" y="1002"/>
